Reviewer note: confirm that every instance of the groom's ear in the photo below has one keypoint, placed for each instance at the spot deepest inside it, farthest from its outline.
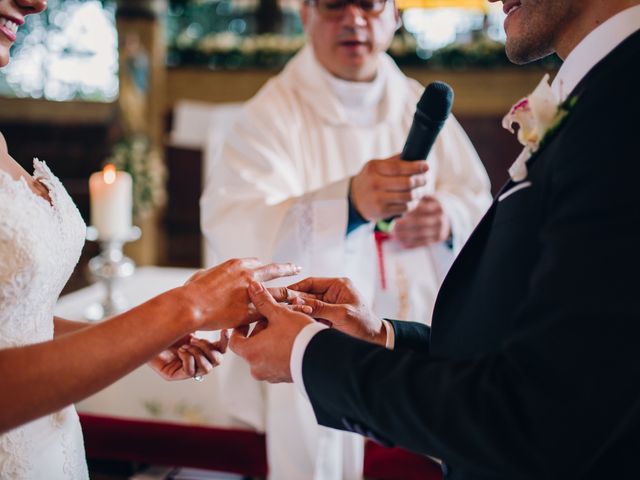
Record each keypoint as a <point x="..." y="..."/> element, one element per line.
<point x="397" y="16"/>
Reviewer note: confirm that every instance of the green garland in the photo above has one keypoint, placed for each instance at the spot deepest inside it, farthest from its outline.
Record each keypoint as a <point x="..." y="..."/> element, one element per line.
<point x="227" y="51"/>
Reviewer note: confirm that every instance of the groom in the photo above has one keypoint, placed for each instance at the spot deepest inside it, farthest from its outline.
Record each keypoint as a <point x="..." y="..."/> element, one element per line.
<point x="532" y="367"/>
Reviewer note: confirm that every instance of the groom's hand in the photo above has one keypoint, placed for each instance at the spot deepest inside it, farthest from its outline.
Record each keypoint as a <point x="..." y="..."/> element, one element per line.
<point x="336" y="302"/>
<point x="268" y="348"/>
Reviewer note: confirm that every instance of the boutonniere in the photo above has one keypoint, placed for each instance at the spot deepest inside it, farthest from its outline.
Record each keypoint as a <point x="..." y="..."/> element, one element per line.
<point x="537" y="115"/>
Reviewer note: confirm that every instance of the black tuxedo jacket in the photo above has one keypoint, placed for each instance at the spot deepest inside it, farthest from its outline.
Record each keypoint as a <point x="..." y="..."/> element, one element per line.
<point x="532" y="367"/>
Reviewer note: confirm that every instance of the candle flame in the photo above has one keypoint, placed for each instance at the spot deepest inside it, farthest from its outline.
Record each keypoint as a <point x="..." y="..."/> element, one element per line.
<point x="109" y="173"/>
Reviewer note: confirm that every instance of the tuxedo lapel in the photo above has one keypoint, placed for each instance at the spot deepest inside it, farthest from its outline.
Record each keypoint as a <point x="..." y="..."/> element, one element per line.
<point x="464" y="268"/>
<point x="465" y="258"/>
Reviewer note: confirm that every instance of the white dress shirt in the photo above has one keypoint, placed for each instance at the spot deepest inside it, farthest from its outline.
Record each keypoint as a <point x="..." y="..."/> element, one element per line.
<point x="593" y="48"/>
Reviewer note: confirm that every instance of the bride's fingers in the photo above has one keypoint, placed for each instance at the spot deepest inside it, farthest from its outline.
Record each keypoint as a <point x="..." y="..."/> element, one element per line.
<point x="222" y="344"/>
<point x="203" y="363"/>
<point x="275" y="270"/>
<point x="187" y="360"/>
<point x="209" y="350"/>
<point x="172" y="368"/>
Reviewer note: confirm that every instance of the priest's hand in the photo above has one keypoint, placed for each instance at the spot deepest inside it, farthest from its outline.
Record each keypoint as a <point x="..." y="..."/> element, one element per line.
<point x="217" y="298"/>
<point x="386" y="188"/>
<point x="423" y="226"/>
<point x="190" y="356"/>
<point x="336" y="302"/>
<point x="268" y="348"/>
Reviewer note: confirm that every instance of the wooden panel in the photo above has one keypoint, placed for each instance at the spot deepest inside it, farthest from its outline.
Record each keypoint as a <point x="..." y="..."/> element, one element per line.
<point x="478" y="92"/>
<point x="497" y="147"/>
<point x="182" y="218"/>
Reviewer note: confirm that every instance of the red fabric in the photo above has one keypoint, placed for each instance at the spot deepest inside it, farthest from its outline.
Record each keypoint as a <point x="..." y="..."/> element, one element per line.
<point x="380" y="238"/>
<point x="227" y="450"/>
<point x="384" y="463"/>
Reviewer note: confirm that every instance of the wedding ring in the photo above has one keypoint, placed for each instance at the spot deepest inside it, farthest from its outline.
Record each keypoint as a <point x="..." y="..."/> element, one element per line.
<point x="198" y="378"/>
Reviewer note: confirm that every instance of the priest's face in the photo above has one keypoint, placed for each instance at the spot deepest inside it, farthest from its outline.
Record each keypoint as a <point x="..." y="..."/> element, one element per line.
<point x="12" y="14"/>
<point x="348" y="36"/>
<point x="535" y="28"/>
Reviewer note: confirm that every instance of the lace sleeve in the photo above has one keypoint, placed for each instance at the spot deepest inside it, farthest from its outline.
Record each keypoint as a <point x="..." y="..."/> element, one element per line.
<point x="15" y="271"/>
<point x="11" y="248"/>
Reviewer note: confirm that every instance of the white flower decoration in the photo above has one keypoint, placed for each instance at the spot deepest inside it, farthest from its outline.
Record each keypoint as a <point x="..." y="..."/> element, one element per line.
<point x="536" y="115"/>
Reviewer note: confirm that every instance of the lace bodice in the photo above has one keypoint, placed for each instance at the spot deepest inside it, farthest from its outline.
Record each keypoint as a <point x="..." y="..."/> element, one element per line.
<point x="40" y="244"/>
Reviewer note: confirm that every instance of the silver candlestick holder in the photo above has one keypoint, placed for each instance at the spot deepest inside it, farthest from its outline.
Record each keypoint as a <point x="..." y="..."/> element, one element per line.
<point x="109" y="268"/>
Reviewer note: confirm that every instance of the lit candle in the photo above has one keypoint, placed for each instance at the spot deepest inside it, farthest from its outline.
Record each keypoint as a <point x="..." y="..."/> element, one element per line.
<point x="111" y="195"/>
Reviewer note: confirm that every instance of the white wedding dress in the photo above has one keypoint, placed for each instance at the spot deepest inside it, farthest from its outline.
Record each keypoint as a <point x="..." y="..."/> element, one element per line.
<point x="40" y="244"/>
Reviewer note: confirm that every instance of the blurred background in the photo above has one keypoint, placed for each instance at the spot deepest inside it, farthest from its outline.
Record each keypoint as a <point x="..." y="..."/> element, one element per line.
<point x="145" y="83"/>
<point x="152" y="86"/>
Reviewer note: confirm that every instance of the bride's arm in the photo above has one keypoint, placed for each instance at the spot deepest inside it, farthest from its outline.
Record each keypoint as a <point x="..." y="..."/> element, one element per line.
<point x="42" y="378"/>
<point x="63" y="326"/>
<point x="187" y="357"/>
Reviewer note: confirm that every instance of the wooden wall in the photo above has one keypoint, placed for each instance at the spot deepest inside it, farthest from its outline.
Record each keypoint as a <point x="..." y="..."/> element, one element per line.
<point x="74" y="138"/>
<point x="482" y="99"/>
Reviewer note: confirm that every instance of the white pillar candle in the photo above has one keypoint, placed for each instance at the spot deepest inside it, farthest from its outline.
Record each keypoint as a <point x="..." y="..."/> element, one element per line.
<point x="111" y="194"/>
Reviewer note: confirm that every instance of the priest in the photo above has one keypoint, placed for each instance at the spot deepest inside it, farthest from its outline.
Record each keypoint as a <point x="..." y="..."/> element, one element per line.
<point x="306" y="172"/>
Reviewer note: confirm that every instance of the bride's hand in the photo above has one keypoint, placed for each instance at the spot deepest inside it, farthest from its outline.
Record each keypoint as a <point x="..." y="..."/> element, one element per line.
<point x="217" y="298"/>
<point x="190" y="356"/>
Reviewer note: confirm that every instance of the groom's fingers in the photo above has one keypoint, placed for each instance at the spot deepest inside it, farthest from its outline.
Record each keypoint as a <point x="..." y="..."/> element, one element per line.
<point x="242" y="331"/>
<point x="262" y="299"/>
<point x="306" y="309"/>
<point x="313" y="285"/>
<point x="238" y="342"/>
<point x="327" y="311"/>
<point x="284" y="294"/>
<point x="275" y="270"/>
<point x="260" y="326"/>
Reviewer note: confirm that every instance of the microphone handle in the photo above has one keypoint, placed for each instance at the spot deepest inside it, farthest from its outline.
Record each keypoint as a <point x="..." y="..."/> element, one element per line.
<point x="422" y="135"/>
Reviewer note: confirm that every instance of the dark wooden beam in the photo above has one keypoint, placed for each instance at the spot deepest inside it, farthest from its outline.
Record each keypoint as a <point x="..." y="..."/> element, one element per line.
<point x="141" y="9"/>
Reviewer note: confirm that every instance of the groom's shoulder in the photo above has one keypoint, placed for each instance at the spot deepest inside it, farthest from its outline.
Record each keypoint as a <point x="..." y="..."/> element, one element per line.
<point x="618" y="73"/>
<point x="609" y="92"/>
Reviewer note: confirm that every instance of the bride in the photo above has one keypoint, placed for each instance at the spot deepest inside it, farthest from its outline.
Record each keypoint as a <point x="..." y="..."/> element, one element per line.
<point x="47" y="363"/>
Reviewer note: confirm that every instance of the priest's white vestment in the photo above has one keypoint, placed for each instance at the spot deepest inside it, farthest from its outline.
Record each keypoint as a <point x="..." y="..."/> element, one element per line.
<point x="277" y="190"/>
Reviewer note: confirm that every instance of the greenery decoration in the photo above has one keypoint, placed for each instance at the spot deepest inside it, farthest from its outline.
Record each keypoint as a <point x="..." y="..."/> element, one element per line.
<point x="135" y="155"/>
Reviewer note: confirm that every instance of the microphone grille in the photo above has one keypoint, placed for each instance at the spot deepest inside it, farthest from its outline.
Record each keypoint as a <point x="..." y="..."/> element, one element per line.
<point x="436" y="101"/>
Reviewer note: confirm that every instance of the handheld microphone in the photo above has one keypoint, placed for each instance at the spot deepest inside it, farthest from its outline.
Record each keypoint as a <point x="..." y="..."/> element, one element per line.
<point x="431" y="112"/>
